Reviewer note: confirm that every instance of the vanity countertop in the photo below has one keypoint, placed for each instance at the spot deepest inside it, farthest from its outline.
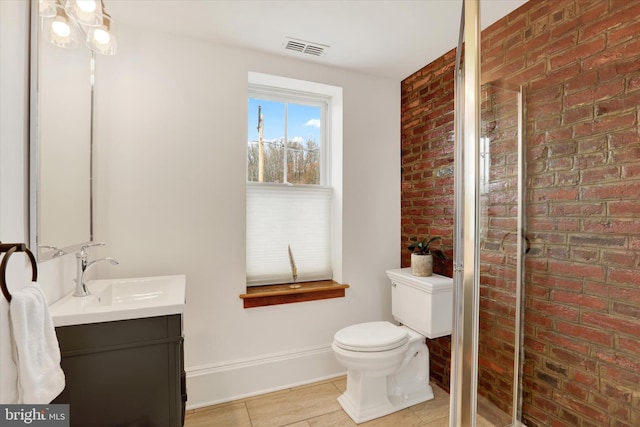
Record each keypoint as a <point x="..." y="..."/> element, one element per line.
<point x="122" y="299"/>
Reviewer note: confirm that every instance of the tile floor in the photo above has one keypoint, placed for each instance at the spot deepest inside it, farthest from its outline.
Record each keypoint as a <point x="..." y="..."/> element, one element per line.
<point x="315" y="405"/>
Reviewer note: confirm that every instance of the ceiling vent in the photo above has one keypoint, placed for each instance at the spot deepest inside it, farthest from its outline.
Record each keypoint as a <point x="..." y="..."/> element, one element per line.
<point x="310" y="48"/>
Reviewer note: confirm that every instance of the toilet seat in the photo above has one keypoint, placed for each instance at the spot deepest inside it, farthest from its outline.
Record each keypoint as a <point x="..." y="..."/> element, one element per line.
<point x="371" y="337"/>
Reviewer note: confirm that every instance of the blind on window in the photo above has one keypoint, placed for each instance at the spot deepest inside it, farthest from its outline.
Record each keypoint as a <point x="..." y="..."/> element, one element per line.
<point x="283" y="215"/>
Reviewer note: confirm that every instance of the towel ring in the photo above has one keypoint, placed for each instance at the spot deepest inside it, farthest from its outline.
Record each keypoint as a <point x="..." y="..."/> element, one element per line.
<point x="3" y="267"/>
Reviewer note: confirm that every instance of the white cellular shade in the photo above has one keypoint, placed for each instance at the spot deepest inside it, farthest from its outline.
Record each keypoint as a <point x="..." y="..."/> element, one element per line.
<point x="283" y="215"/>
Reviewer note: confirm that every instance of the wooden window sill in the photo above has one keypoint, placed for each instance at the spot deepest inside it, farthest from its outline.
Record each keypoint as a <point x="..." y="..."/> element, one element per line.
<point x="260" y="296"/>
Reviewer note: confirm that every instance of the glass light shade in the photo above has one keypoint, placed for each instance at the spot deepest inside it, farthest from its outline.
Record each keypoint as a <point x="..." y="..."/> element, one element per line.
<point x="86" y="12"/>
<point x="60" y="30"/>
<point x="47" y="8"/>
<point x="100" y="39"/>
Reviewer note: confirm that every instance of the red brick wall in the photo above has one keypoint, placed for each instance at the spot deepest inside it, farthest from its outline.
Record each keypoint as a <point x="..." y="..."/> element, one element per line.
<point x="579" y="64"/>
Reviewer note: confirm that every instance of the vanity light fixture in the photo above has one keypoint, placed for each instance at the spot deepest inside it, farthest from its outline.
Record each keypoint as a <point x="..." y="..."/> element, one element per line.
<point x="63" y="19"/>
<point x="85" y="12"/>
<point x="100" y="39"/>
<point x="59" y="29"/>
<point x="47" y="8"/>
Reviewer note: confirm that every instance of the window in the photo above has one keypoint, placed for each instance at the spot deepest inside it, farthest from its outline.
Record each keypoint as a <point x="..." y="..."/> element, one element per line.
<point x="289" y="193"/>
<point x="285" y="140"/>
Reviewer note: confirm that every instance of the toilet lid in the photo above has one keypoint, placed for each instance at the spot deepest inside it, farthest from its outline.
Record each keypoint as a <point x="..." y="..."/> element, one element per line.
<point x="371" y="336"/>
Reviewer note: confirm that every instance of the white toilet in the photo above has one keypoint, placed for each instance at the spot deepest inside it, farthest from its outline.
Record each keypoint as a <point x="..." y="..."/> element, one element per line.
<point x="388" y="365"/>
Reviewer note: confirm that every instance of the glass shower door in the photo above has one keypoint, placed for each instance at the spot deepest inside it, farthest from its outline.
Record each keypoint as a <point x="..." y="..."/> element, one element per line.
<point x="500" y="243"/>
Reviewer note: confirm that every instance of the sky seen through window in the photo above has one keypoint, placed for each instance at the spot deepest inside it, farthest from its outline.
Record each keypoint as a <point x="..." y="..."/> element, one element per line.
<point x="303" y="121"/>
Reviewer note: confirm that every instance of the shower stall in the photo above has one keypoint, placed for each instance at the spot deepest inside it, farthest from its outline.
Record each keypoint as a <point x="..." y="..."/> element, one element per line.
<point x="536" y="159"/>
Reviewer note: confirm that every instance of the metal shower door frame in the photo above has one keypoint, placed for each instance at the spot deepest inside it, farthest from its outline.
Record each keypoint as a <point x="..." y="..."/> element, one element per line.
<point x="464" y="338"/>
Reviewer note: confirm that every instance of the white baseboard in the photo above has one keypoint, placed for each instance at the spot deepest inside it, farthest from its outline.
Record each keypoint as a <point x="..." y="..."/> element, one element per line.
<point x="241" y="378"/>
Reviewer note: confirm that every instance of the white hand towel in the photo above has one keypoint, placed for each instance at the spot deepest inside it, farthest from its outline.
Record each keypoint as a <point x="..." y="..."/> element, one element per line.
<point x="35" y="347"/>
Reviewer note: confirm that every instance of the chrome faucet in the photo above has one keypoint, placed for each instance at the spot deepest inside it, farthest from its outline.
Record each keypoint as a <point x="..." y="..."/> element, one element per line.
<point x="83" y="265"/>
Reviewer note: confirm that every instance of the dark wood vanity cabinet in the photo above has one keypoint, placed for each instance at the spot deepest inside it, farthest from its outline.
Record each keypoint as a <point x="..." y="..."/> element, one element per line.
<point x="124" y="373"/>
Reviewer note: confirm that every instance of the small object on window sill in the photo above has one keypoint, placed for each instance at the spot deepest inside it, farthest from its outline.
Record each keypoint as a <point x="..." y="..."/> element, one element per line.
<point x="260" y="296"/>
<point x="294" y="270"/>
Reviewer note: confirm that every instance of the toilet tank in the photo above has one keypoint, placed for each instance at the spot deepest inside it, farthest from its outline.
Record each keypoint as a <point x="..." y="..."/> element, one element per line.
<point x="424" y="304"/>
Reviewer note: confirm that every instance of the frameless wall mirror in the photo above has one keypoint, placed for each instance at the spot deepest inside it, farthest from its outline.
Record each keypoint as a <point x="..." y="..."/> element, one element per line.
<point x="61" y="126"/>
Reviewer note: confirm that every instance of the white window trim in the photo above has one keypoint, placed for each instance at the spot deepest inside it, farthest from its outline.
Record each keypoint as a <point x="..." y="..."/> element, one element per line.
<point x="334" y="151"/>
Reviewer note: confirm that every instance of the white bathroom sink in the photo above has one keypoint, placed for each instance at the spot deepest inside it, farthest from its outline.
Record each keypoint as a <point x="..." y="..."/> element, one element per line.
<point x="122" y="299"/>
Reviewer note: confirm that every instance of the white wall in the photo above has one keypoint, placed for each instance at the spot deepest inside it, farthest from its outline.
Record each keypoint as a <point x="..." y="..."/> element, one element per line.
<point x="170" y="198"/>
<point x="14" y="24"/>
<point x="170" y="175"/>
